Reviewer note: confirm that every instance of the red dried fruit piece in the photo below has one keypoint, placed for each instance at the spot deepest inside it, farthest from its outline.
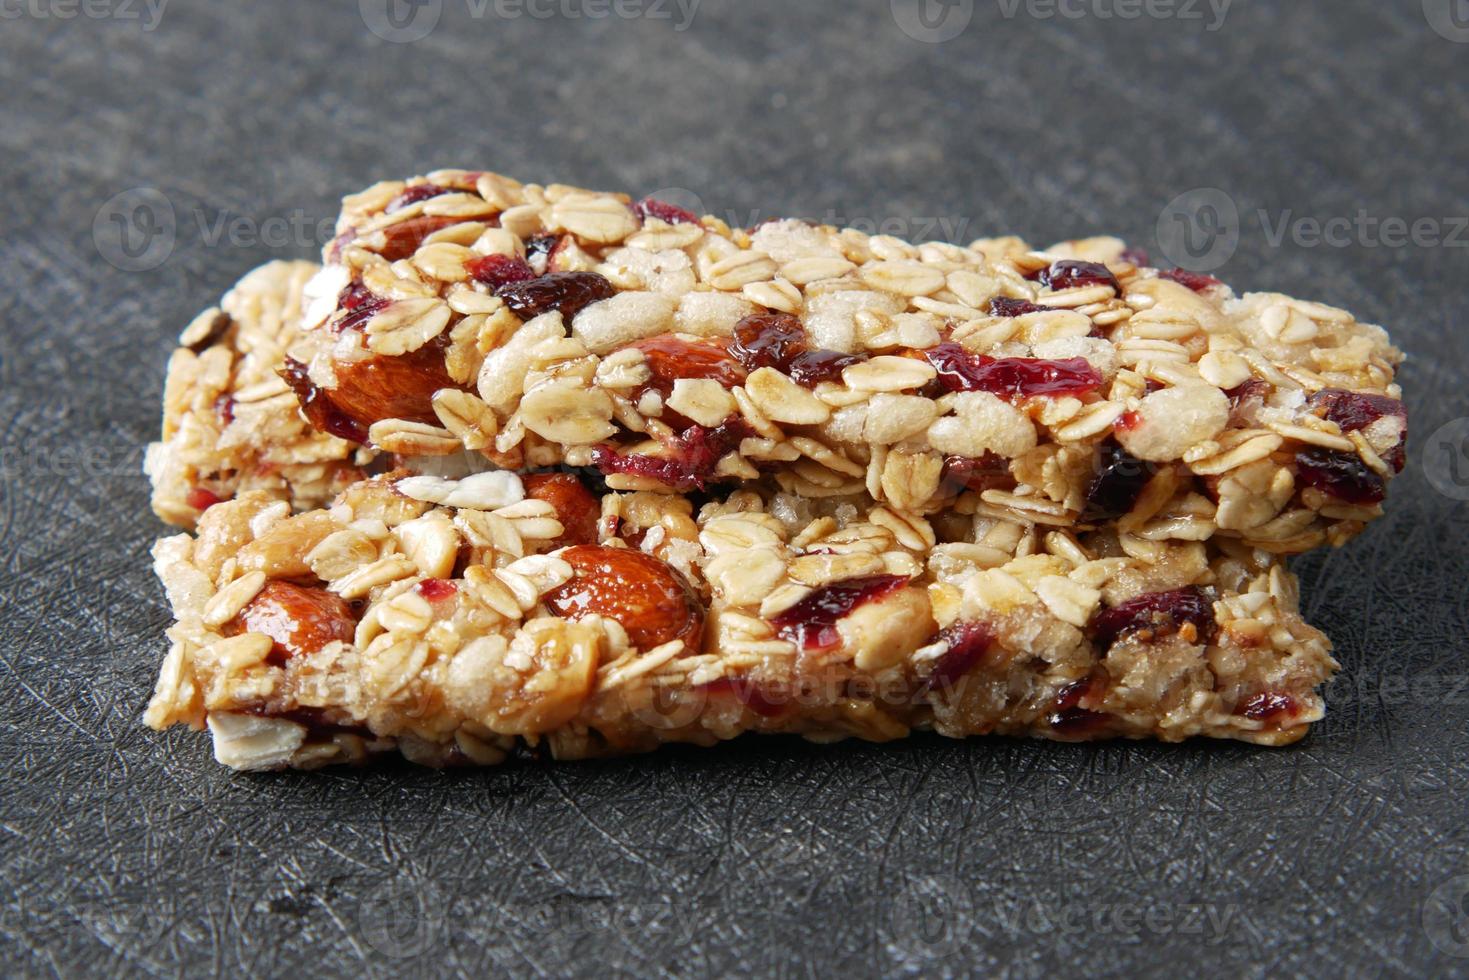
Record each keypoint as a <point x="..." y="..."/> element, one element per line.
<point x="1067" y="717"/>
<point x="1342" y="475"/>
<point x="670" y="358"/>
<point x="404" y="238"/>
<point x="1072" y="273"/>
<point x="1155" y="615"/>
<point x="436" y="589"/>
<point x="770" y="340"/>
<point x="1353" y="411"/>
<point x="1127" y="421"/>
<point x="201" y="499"/>
<point x="779" y="341"/>
<point x="414" y="194"/>
<point x="1012" y="378"/>
<point x="1118" y="484"/>
<point x="500" y="270"/>
<point x="1135" y="255"/>
<point x="224" y="408"/>
<point x="811" y="623"/>
<point x="968" y="643"/>
<point x="989" y="472"/>
<point x="650" y="598"/>
<point x="300" y="620"/>
<point x="815" y="366"/>
<point x="360" y="305"/>
<point x="373" y="388"/>
<point x="1269" y="706"/>
<point x="650" y="207"/>
<point x="1009" y="306"/>
<point x="569" y="292"/>
<point x="748" y="693"/>
<point x="1196" y="281"/>
<point x="691" y="457"/>
<point x="578" y="511"/>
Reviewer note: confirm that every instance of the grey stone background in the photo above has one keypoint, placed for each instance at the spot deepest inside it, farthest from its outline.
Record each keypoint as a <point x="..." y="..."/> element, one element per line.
<point x="122" y="851"/>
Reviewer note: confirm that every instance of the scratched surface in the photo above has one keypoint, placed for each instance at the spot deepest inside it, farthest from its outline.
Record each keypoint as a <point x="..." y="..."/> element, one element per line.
<point x="122" y="850"/>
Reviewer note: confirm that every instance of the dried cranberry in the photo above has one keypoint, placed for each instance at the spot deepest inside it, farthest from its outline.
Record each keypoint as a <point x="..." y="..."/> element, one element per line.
<point x="811" y="623"/>
<point x="1196" y="281"/>
<point x="404" y="238"/>
<point x="1156" y="615"/>
<point x="1353" y="411"/>
<point x="201" y="499"/>
<point x="317" y="406"/>
<point x="500" y="270"/>
<point x="1268" y="707"/>
<point x="650" y="207"/>
<point x="1011" y="377"/>
<point x="1009" y="306"/>
<point x="1067" y="717"/>
<point x="815" y="366"/>
<point x="968" y="643"/>
<point x="989" y="472"/>
<point x="414" y="194"/>
<point x="436" y="589"/>
<point x="1135" y="255"/>
<point x="691" y="461"/>
<point x="1250" y="391"/>
<point x="568" y="292"/>
<point x="1118" y="484"/>
<point x="671" y="358"/>
<point x="770" y="340"/>
<point x="1071" y="273"/>
<point x="1343" y="475"/>
<point x="749" y="694"/>
<point x="1127" y="421"/>
<point x="360" y="304"/>
<point x="779" y="341"/>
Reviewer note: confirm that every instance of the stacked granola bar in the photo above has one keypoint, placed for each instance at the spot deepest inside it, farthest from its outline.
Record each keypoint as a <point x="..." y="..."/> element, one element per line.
<point x="536" y="467"/>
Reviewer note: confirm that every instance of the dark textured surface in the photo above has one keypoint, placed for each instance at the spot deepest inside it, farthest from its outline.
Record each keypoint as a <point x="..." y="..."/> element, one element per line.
<point x="122" y="850"/>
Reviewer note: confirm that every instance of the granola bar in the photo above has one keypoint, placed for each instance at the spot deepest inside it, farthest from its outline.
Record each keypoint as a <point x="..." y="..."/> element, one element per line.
<point x="1072" y="387"/>
<point x="230" y="423"/>
<point x="462" y="621"/>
